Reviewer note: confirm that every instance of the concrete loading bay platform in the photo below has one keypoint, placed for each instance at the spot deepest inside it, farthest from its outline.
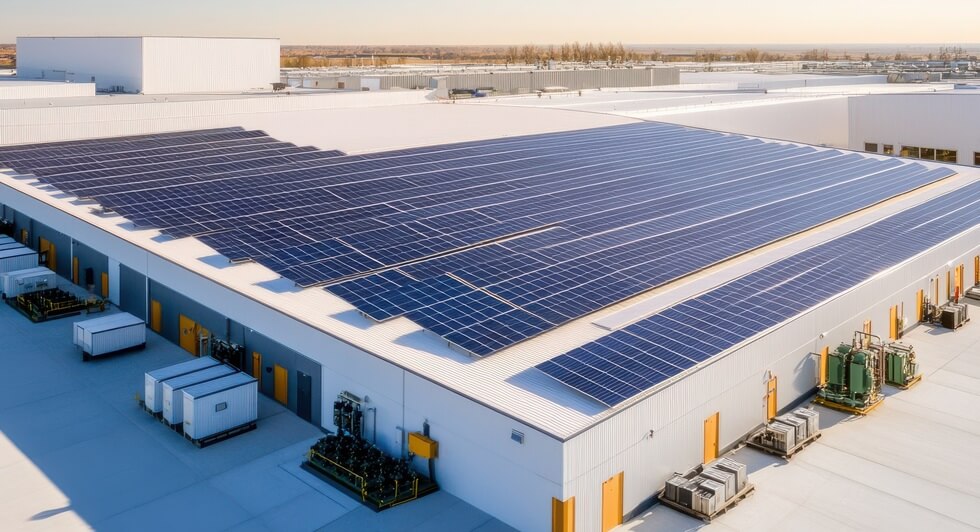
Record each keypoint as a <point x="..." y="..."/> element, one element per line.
<point x="908" y="465"/>
<point x="78" y="453"/>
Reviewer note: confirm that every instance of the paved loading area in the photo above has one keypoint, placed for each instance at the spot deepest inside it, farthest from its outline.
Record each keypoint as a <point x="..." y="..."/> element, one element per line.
<point x="909" y="465"/>
<point x="77" y="452"/>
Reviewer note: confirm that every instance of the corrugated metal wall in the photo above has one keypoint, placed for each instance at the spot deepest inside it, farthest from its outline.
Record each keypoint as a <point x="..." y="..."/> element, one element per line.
<point x="183" y="65"/>
<point x="664" y="433"/>
<point x="11" y="90"/>
<point x="514" y="82"/>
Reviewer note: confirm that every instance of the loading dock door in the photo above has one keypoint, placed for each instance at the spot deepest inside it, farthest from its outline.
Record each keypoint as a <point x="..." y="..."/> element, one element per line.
<point x="711" y="438"/>
<point x="612" y="502"/>
<point x="257" y="367"/>
<point x="188" y="335"/>
<point x="49" y="253"/>
<point x="156" y="316"/>
<point x="304" y="396"/>
<point x="771" y="403"/>
<point x="281" y="391"/>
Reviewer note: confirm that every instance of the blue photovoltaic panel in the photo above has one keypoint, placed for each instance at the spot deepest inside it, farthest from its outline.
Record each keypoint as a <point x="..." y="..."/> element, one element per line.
<point x="634" y="359"/>
<point x="539" y="229"/>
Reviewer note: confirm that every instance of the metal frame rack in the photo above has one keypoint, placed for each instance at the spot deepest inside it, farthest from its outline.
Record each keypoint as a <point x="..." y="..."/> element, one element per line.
<point x="53" y="303"/>
<point x="377" y="479"/>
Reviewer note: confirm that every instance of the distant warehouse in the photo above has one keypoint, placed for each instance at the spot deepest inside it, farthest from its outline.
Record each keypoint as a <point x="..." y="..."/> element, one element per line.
<point x="498" y="81"/>
<point x="152" y="65"/>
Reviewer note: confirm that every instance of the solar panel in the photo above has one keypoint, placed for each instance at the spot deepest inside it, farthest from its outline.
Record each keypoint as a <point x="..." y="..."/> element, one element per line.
<point x="539" y="229"/>
<point x="633" y="359"/>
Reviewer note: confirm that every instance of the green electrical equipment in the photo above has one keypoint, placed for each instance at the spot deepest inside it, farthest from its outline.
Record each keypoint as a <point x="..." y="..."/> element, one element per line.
<point x="901" y="368"/>
<point x="854" y="376"/>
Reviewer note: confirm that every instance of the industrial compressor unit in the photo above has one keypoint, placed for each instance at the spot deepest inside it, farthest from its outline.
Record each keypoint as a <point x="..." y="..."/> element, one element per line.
<point x="854" y="376"/>
<point x="901" y="368"/>
<point x="380" y="480"/>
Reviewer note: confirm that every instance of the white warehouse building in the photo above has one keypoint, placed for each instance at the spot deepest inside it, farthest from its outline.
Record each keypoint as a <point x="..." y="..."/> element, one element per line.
<point x="573" y="305"/>
<point x="152" y="65"/>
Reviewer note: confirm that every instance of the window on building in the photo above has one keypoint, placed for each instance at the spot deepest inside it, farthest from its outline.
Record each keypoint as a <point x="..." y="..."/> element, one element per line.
<point x="888" y="149"/>
<point x="870" y="147"/>
<point x="976" y="158"/>
<point x="946" y="156"/>
<point x="928" y="154"/>
<point x="910" y="151"/>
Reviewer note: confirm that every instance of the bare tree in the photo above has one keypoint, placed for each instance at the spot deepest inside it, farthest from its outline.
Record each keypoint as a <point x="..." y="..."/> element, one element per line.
<point x="529" y="53"/>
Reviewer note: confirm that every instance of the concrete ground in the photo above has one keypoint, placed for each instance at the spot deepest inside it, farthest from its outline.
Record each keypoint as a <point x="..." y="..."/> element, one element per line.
<point x="910" y="465"/>
<point x="77" y="452"/>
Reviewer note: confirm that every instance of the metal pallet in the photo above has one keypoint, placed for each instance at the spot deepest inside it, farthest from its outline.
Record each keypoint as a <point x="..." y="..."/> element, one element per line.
<point x="849" y="409"/>
<point x="221" y="436"/>
<point x="915" y="380"/>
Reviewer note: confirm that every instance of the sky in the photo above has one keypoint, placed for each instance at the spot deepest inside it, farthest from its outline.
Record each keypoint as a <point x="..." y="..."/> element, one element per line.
<point x="375" y="22"/>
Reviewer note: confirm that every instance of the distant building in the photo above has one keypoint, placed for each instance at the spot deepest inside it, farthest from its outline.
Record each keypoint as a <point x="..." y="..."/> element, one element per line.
<point x="152" y="65"/>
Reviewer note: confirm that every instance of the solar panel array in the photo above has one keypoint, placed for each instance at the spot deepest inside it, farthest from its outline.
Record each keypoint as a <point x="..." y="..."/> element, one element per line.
<point x="485" y="243"/>
<point x="638" y="357"/>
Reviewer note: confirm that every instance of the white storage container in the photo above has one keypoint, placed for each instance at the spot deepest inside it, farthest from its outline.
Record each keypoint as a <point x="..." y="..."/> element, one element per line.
<point x="109" y="334"/>
<point x="15" y="283"/>
<point x="152" y="389"/>
<point x="173" y="390"/>
<point x="19" y="258"/>
<point x="10" y="245"/>
<point x="218" y="406"/>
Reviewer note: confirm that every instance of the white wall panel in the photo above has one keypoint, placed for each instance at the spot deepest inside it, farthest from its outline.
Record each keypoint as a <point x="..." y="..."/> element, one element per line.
<point x="15" y="89"/>
<point x="821" y="122"/>
<point x="946" y="120"/>
<point x="108" y="61"/>
<point x="189" y="65"/>
<point x="479" y="463"/>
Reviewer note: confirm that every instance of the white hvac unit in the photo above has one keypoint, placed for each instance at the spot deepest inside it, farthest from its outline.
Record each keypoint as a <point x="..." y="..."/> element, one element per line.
<point x="780" y="436"/>
<point x="173" y="390"/>
<point x="220" y="406"/>
<point x="672" y="486"/>
<point x="812" y="418"/>
<point x="15" y="283"/>
<point x="725" y="478"/>
<point x="17" y="258"/>
<point x="738" y="469"/>
<point x="109" y="334"/>
<point x="717" y="493"/>
<point x="796" y="423"/>
<point x="152" y="381"/>
<point x="688" y="492"/>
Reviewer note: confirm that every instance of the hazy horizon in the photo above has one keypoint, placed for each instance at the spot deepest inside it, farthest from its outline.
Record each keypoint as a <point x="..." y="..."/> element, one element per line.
<point x="507" y="22"/>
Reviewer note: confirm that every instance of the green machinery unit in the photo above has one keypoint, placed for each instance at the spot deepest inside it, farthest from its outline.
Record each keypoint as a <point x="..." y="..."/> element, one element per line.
<point x="853" y="377"/>
<point x="901" y="368"/>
